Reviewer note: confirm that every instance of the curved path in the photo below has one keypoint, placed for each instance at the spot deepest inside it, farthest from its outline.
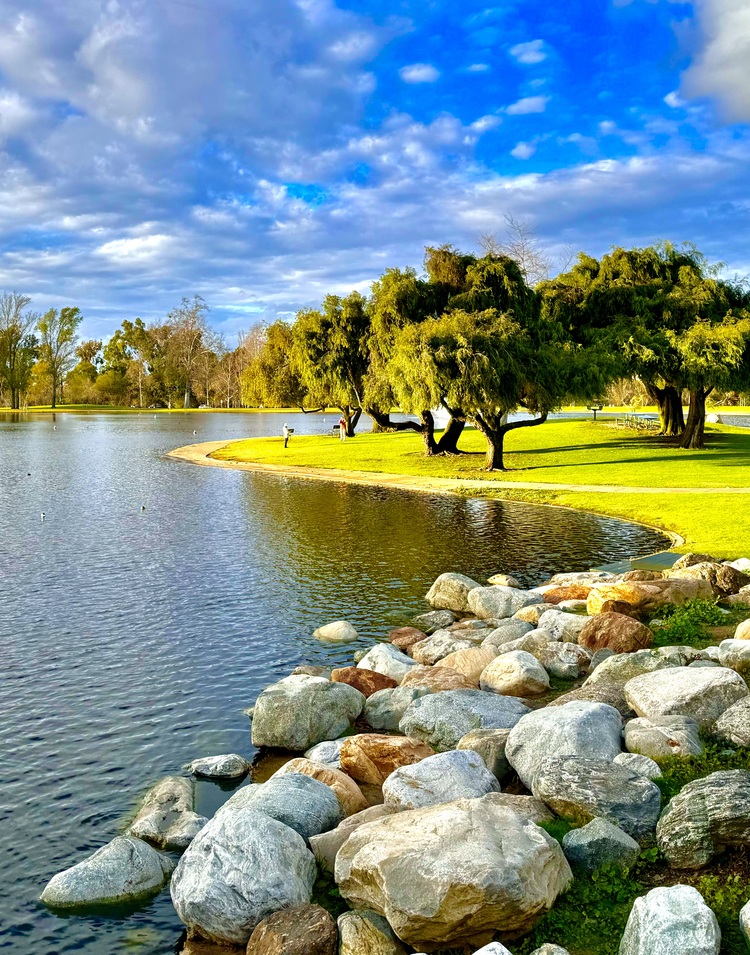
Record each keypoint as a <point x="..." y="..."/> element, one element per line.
<point x="200" y="454"/>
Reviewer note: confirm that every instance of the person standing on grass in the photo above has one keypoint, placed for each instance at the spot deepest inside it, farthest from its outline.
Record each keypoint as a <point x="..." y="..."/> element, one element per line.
<point x="286" y="433"/>
<point x="342" y="428"/>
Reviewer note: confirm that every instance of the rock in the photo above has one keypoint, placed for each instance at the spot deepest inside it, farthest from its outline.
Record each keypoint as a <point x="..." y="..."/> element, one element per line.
<point x="743" y="630"/>
<point x="340" y="631"/>
<point x="527" y="807"/>
<point x="690" y="559"/>
<point x="385" y="709"/>
<point x="515" y="674"/>
<point x="597" y="844"/>
<point x="470" y="662"/>
<point x="230" y="766"/>
<point x="123" y="871"/>
<point x="580" y="577"/>
<point x="742" y="563"/>
<point x="494" y="948"/>
<point x="668" y="920"/>
<point x="326" y="845"/>
<point x="166" y="816"/>
<point x="385" y="658"/>
<point x="301" y="802"/>
<point x="439" y="645"/>
<point x="549" y="949"/>
<point x="504" y="580"/>
<point x="615" y="631"/>
<point x="742" y="599"/>
<point x="530" y="614"/>
<point x="643" y="765"/>
<point x="346" y="790"/>
<point x="307" y="669"/>
<point x="599" y="656"/>
<point x="572" y="592"/>
<point x="497" y="601"/>
<point x="508" y="631"/>
<point x="702" y="694"/>
<point x="405" y="637"/>
<point x="647" y="596"/>
<point x="242" y="867"/>
<point x="745" y="922"/>
<point x="302" y="930"/>
<point x="734" y="724"/>
<point x="576" y="606"/>
<point x="300" y="711"/>
<point x="575" y="729"/>
<point x="735" y="654"/>
<point x="451" y="592"/>
<point x="578" y="789"/>
<point x="438" y="779"/>
<point x="363" y="932"/>
<point x="490" y="745"/>
<point x="372" y="757"/>
<point x="366" y="681"/>
<point x="707" y="816"/>
<point x="441" y="719"/>
<point x="663" y="736"/>
<point x="722" y="578"/>
<point x="327" y="753"/>
<point x="609" y="693"/>
<point x="566" y="661"/>
<point x="621" y="667"/>
<point x="453" y="874"/>
<point x="434" y="620"/>
<point x="561" y="625"/>
<point x="438" y="678"/>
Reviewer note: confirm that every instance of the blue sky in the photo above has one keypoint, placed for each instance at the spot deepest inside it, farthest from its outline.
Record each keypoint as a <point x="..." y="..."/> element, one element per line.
<point x="262" y="153"/>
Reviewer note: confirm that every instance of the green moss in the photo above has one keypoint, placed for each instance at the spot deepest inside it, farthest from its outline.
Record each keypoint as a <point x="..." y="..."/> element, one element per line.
<point x="558" y="828"/>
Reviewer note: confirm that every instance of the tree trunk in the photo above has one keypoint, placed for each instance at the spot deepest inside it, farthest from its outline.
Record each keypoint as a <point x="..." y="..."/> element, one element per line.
<point x="14" y="399"/>
<point x="448" y="443"/>
<point x="54" y="391"/>
<point x="186" y="400"/>
<point x="696" y="422"/>
<point x="669" y="402"/>
<point x="383" y="422"/>
<point x="495" y="438"/>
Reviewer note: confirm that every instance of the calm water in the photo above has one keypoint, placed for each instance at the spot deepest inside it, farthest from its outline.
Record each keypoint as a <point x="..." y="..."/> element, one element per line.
<point x="131" y="641"/>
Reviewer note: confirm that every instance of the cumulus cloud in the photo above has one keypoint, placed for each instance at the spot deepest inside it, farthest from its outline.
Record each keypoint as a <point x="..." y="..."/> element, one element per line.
<point x="419" y="73"/>
<point x="529" y="53"/>
<point x="720" y="70"/>
<point x="523" y="150"/>
<point x="529" y="104"/>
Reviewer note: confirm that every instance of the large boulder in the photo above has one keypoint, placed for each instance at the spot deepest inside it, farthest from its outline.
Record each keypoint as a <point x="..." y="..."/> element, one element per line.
<point x="302" y="930"/>
<point x="453" y="874"/>
<point x="434" y="620"/>
<point x="566" y="661"/>
<point x="124" y="871"/>
<point x="575" y="729"/>
<point x="363" y="932"/>
<point x="643" y="765"/>
<point x="405" y="637"/>
<point x="516" y="673"/>
<point x="722" y="578"/>
<point x="325" y="845"/>
<point x="700" y="693"/>
<point x="663" y="736"/>
<point x="328" y="753"/>
<point x="707" y="816"/>
<point x="742" y="630"/>
<point x="304" y="804"/>
<point x="671" y="919"/>
<point x="440" y="644"/>
<point x="490" y="745"/>
<point x="734" y="724"/>
<point x="340" y="631"/>
<point x="647" y="596"/>
<point x="459" y="774"/>
<point x="366" y="681"/>
<point x="441" y="719"/>
<point x="166" y="817"/>
<point x="597" y="844"/>
<point x="345" y="789"/>
<point x="556" y="595"/>
<point x="385" y="709"/>
<point x="242" y="867"/>
<point x="386" y="659"/>
<point x="508" y="631"/>
<point x="471" y="662"/>
<point x="437" y="679"/>
<point x="561" y="625"/>
<point x="578" y="789"/>
<point x="227" y="766"/>
<point x="621" y="667"/>
<point x="617" y="632"/>
<point x="372" y="757"/>
<point x="300" y="711"/>
<point x="450" y="592"/>
<point x="735" y="654"/>
<point x="499" y="602"/>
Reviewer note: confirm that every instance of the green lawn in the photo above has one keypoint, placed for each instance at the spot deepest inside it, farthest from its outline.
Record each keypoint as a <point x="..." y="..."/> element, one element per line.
<point x="566" y="452"/>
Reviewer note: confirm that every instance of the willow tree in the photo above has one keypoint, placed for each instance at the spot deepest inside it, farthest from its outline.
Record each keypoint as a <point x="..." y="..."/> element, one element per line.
<point x="270" y="378"/>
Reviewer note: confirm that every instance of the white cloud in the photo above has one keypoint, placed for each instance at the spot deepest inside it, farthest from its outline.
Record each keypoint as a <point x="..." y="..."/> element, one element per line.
<point x="419" y="73"/>
<point x="673" y="99"/>
<point x="523" y="150"/>
<point x="478" y="68"/>
<point x="529" y="53"/>
<point x="720" y="71"/>
<point x="529" y="104"/>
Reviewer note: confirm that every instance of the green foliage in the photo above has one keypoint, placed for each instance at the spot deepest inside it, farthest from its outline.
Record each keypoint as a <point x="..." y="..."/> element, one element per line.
<point x="726" y="893"/>
<point x="326" y="894"/>
<point x="717" y="755"/>
<point x="557" y="828"/>
<point x="687" y="625"/>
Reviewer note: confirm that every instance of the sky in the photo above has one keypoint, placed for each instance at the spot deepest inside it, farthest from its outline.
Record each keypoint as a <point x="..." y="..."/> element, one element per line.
<point x="262" y="153"/>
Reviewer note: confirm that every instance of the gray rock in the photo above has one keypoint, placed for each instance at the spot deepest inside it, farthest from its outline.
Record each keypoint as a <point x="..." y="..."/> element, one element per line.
<point x="389" y="660"/>
<point x="363" y="932"/>
<point x="384" y="710"/>
<point x="460" y="774"/>
<point x="563" y="626"/>
<point x="527" y="807"/>
<point x="340" y="631"/>
<point x="516" y="673"/>
<point x="497" y="601"/>
<point x="242" y="867"/>
<point x="579" y="789"/>
<point x="680" y="691"/>
<point x="669" y="920"/>
<point x="575" y="729"/>
<point x="663" y="736"/>
<point x="300" y="711"/>
<point x="508" y="631"/>
<point x="735" y="654"/>
<point x="490" y="745"/>
<point x="494" y="948"/>
<point x="566" y="661"/>
<point x="598" y="844"/>
<point x="450" y="592"/>
<point x="734" y="724"/>
<point x="643" y="765"/>
<point x="327" y="753"/>
<point x="123" y="871"/>
<point x="621" y="667"/>
<point x="358" y="655"/>
<point x="707" y="816"/>
<point x="308" y="669"/>
<point x="326" y="845"/>
<point x="434" y="620"/>
<point x="229" y="766"/>
<point x="166" y="817"/>
<point x="451" y="874"/>
<point x="745" y="922"/>
<point x="442" y="643"/>
<point x="704" y="663"/>
<point x="304" y="804"/>
<point x="441" y="719"/>
<point x="599" y="656"/>
<point x="549" y="949"/>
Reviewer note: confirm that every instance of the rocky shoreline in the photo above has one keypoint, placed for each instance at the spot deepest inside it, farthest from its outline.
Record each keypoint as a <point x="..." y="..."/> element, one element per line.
<point x="462" y="778"/>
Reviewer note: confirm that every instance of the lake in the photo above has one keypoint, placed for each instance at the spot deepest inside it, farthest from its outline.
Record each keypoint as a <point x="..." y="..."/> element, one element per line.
<point x="131" y="641"/>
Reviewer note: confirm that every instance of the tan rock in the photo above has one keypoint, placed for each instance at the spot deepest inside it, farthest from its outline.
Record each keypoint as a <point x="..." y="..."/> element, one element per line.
<point x="326" y="845"/>
<point x="366" y="681"/>
<point x="571" y="592"/>
<point x="531" y="614"/>
<point x="743" y="631"/>
<point x="723" y="578"/>
<point x="405" y="637"/>
<point x="437" y="679"/>
<point x="504" y="580"/>
<point x="372" y="757"/>
<point x="642" y="575"/>
<point x="347" y="791"/>
<point x="617" y="632"/>
<point x="469" y="662"/>
<point x="644" y="596"/>
<point x="364" y="932"/>
<point x="515" y="674"/>
<point x="301" y="930"/>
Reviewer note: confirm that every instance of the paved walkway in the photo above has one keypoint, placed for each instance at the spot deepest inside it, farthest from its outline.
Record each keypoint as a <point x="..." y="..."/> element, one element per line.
<point x="199" y="454"/>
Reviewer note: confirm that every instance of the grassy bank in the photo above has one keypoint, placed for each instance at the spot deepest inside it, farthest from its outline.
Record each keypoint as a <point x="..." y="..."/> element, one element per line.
<point x="582" y="454"/>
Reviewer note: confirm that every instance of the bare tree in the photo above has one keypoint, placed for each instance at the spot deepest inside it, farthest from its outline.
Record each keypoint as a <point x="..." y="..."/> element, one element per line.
<point x="521" y="244"/>
<point x="189" y="328"/>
